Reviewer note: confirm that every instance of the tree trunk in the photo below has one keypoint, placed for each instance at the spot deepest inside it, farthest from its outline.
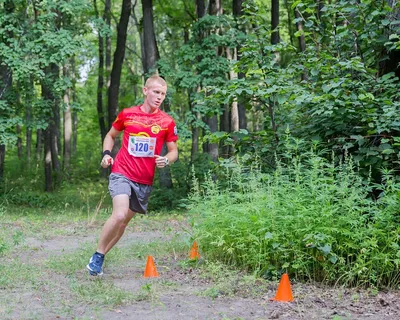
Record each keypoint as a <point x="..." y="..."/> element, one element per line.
<point x="275" y="22"/>
<point x="195" y="135"/>
<point x="47" y="161"/>
<point x="302" y="40"/>
<point x="107" y="18"/>
<point x="225" y="126"/>
<point x="74" y="112"/>
<point x="165" y="173"/>
<point x="290" y="24"/>
<point x="299" y="25"/>
<point x="100" y="77"/>
<point x="55" y="124"/>
<point x="150" y="49"/>
<point x="237" y="9"/>
<point x="200" y="9"/>
<point x="100" y="81"/>
<point x="227" y="151"/>
<point x="74" y="131"/>
<point x="234" y="107"/>
<point x="275" y="39"/>
<point x="242" y="115"/>
<point x="39" y="143"/>
<point x="54" y="146"/>
<point x="115" y="80"/>
<point x="51" y="131"/>
<point x="28" y="119"/>
<point x="213" y="147"/>
<point x="67" y="122"/>
<point x="200" y="13"/>
<point x="19" y="106"/>
<point x="19" y="142"/>
<point x="2" y="157"/>
<point x="5" y="81"/>
<point x="215" y="8"/>
<point x="139" y="27"/>
<point x="119" y="55"/>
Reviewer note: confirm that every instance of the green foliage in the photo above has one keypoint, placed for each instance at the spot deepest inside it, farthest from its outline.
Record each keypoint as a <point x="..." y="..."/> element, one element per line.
<point x="333" y="92"/>
<point x="23" y="186"/>
<point x="198" y="65"/>
<point x="8" y="124"/>
<point x="166" y="198"/>
<point x="311" y="218"/>
<point x="351" y="109"/>
<point x="35" y="36"/>
<point x="182" y="175"/>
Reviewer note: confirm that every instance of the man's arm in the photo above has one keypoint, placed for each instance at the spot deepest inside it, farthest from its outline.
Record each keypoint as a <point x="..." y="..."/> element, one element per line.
<point x="172" y="155"/>
<point x="108" y="144"/>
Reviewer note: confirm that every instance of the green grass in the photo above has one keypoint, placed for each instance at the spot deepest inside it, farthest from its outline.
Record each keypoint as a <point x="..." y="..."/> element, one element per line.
<point x="99" y="291"/>
<point x="70" y="263"/>
<point x="159" y="248"/>
<point x="102" y="290"/>
<point x="16" y="274"/>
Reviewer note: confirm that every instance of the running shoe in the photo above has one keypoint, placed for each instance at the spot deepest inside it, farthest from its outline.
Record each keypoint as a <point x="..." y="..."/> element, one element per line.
<point x="95" y="265"/>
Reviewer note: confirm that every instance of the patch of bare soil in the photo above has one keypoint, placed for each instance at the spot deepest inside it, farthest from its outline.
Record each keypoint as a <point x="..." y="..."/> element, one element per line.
<point x="182" y="292"/>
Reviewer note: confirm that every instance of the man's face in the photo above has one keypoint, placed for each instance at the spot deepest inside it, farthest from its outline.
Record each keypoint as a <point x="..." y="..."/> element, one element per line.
<point x="155" y="94"/>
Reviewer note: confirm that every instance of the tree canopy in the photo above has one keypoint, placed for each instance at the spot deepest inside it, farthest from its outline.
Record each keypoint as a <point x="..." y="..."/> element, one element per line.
<point x="241" y="75"/>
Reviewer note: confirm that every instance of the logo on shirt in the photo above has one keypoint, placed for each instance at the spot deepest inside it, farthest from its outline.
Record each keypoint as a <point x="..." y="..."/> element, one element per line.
<point x="175" y="131"/>
<point x="155" y="129"/>
<point x="140" y="134"/>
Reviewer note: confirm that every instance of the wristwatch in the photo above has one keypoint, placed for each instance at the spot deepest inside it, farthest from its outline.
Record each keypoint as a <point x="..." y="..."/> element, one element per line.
<point x="166" y="161"/>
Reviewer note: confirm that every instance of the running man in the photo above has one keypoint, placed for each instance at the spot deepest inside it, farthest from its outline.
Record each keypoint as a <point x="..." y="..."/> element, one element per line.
<point x="145" y="128"/>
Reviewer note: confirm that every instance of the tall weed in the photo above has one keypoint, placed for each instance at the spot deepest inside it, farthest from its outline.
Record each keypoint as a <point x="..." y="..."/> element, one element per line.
<point x="311" y="218"/>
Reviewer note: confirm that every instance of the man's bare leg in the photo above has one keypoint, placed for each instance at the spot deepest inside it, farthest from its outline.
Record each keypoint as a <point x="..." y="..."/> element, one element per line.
<point x="115" y="226"/>
<point x="121" y="231"/>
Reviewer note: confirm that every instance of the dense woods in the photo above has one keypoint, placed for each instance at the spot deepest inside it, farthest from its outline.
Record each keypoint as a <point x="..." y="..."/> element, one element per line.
<point x="241" y="73"/>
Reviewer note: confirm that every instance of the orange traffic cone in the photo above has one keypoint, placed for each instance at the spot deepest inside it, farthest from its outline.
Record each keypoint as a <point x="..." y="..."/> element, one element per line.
<point x="151" y="270"/>
<point x="284" y="292"/>
<point x="194" y="252"/>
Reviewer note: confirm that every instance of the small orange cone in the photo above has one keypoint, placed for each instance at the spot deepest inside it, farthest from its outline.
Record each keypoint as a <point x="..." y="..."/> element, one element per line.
<point x="151" y="270"/>
<point x="284" y="292"/>
<point x="194" y="252"/>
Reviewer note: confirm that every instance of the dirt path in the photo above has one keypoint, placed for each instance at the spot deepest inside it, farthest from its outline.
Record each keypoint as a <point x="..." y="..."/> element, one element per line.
<point x="183" y="290"/>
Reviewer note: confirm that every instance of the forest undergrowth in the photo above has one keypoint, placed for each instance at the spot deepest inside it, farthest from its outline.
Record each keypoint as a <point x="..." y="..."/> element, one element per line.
<point x="315" y="219"/>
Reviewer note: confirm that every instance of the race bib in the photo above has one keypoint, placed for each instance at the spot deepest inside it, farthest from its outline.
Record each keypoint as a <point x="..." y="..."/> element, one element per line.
<point x="141" y="146"/>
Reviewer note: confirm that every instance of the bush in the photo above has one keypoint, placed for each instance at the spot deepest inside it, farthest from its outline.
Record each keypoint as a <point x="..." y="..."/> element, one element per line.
<point x="311" y="218"/>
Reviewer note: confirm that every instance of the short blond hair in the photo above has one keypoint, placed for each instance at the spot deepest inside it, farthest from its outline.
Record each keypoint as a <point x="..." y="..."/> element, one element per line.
<point x="155" y="79"/>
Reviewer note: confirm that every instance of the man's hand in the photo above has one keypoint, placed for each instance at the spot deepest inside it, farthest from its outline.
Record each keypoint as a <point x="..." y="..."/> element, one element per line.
<point x="107" y="161"/>
<point x="161" y="162"/>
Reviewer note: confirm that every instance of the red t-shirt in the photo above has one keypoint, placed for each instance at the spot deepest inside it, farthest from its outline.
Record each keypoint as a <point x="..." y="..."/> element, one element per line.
<point x="144" y="136"/>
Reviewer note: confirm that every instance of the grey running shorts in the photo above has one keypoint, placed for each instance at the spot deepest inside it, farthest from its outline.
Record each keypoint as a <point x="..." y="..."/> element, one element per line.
<point x="138" y="193"/>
